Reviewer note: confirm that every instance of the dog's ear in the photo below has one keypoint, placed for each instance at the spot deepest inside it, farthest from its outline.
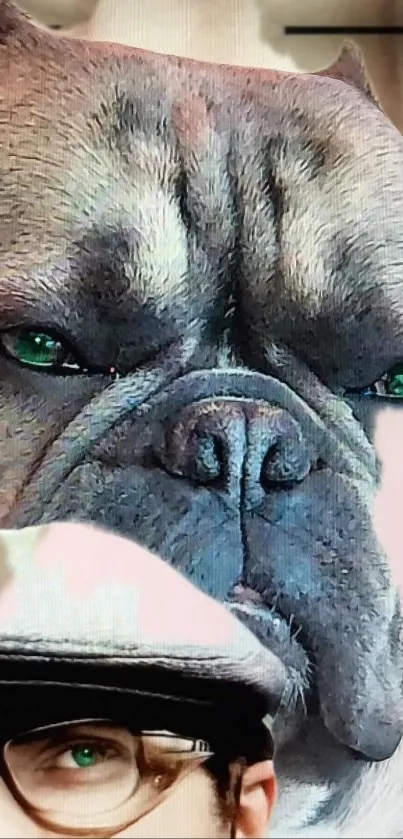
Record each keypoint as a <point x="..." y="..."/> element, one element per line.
<point x="15" y="25"/>
<point x="349" y="67"/>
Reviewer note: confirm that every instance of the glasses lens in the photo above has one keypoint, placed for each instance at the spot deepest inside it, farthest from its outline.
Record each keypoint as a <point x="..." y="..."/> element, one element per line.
<point x="92" y="774"/>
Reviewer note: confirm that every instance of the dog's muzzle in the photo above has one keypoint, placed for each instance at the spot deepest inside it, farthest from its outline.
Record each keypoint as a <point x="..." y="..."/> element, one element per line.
<point x="236" y="481"/>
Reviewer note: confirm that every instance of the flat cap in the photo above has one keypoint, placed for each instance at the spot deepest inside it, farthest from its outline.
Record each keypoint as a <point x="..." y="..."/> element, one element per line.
<point x="83" y="608"/>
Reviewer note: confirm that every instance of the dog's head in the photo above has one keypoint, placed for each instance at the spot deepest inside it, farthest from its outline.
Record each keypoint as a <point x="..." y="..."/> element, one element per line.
<point x="201" y="268"/>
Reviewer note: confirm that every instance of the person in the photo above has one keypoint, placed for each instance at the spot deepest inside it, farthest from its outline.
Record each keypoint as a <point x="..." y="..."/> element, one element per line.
<point x="132" y="703"/>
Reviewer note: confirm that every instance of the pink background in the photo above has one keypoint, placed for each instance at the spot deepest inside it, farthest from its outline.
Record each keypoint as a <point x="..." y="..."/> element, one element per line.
<point x="388" y="510"/>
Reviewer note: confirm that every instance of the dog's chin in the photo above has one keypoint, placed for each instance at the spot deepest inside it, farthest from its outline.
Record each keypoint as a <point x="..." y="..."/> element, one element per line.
<point x="286" y="641"/>
<point x="300" y="703"/>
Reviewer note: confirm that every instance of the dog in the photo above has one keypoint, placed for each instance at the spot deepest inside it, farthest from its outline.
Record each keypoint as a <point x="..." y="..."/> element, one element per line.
<point x="201" y="314"/>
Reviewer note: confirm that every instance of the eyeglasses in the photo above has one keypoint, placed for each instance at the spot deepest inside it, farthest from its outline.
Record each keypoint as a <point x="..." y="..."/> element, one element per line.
<point x="95" y="777"/>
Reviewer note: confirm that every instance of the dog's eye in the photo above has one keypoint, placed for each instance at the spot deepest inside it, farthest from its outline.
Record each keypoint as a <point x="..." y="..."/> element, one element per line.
<point x="39" y="350"/>
<point x="389" y="385"/>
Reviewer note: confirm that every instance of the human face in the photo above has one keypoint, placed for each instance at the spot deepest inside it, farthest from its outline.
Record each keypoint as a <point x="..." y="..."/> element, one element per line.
<point x="97" y="778"/>
<point x="191" y="811"/>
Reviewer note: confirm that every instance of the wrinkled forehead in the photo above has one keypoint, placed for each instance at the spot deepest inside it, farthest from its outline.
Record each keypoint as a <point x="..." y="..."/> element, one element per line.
<point x="95" y="141"/>
<point x="71" y="105"/>
<point x="82" y="135"/>
<point x="92" y="134"/>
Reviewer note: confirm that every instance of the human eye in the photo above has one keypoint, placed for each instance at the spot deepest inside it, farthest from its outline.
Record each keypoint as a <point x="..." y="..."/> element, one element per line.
<point x="83" y="755"/>
<point x="72" y="757"/>
<point x="85" y="775"/>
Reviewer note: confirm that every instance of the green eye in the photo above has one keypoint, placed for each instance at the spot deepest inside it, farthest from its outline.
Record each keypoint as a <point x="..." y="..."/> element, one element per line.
<point x="394" y="381"/>
<point x="39" y="350"/>
<point x="391" y="384"/>
<point x="84" y="756"/>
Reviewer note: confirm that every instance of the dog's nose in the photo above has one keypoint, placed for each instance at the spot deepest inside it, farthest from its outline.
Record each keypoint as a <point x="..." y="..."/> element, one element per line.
<point x="222" y="441"/>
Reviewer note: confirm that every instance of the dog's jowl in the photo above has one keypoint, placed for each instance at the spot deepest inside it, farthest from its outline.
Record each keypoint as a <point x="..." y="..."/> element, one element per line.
<point x="201" y="312"/>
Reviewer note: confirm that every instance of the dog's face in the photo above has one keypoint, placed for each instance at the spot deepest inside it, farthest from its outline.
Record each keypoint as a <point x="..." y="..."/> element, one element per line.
<point x="199" y="267"/>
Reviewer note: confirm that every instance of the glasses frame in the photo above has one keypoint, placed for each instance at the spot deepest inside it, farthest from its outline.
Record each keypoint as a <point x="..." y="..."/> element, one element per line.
<point x="196" y="757"/>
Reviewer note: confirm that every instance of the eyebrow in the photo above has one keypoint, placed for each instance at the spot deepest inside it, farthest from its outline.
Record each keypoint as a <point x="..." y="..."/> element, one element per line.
<point x="100" y="255"/>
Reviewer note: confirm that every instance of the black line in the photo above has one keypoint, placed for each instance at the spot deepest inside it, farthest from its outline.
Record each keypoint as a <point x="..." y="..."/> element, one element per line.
<point x="343" y="30"/>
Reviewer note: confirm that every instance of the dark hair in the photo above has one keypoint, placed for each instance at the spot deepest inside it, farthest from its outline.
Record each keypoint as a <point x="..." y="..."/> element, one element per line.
<point x="231" y="755"/>
<point x="227" y="776"/>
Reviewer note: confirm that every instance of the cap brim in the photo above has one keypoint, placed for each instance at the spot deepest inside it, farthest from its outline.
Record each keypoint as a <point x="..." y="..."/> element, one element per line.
<point x="32" y="704"/>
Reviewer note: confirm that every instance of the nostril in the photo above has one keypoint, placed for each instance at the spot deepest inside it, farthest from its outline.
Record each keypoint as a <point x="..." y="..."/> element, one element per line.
<point x="287" y="461"/>
<point x="208" y="459"/>
<point x="234" y="446"/>
<point x="193" y="453"/>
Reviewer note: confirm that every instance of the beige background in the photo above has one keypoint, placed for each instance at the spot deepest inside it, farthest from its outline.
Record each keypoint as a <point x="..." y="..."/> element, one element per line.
<point x="243" y="32"/>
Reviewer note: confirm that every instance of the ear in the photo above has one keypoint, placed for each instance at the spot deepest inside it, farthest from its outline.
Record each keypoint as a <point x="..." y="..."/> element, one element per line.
<point x="256" y="801"/>
<point x="15" y="25"/>
<point x="350" y="68"/>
